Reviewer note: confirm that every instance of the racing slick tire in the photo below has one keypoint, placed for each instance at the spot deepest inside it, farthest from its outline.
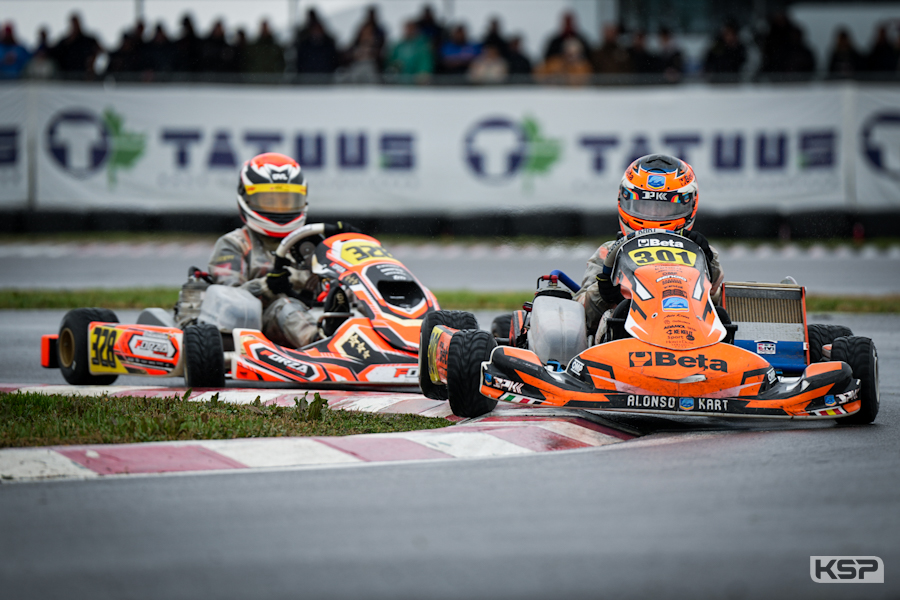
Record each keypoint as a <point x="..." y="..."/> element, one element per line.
<point x="204" y="356"/>
<point x="822" y="335"/>
<point x="457" y="319"/>
<point x="860" y="354"/>
<point x="72" y="345"/>
<point x="468" y="349"/>
<point x="500" y="326"/>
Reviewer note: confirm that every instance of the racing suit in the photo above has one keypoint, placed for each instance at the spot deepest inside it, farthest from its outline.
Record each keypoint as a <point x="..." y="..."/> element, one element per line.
<point x="242" y="258"/>
<point x="596" y="310"/>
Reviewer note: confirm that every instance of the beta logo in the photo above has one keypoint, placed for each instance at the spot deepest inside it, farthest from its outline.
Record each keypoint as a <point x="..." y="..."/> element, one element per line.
<point x="668" y="359"/>
<point x="497" y="149"/>
<point x="656" y="242"/>
<point x="81" y="143"/>
<point x="846" y="569"/>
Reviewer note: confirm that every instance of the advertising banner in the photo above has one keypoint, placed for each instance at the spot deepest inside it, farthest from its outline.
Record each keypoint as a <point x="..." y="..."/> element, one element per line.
<point x="370" y="150"/>
<point x="13" y="146"/>
<point x="878" y="139"/>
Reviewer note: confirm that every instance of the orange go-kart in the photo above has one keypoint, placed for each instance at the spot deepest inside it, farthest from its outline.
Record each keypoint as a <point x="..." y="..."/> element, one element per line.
<point x="215" y="331"/>
<point x="667" y="348"/>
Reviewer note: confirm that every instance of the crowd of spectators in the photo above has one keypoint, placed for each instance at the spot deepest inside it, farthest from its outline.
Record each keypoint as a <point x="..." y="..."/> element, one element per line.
<point x="429" y="48"/>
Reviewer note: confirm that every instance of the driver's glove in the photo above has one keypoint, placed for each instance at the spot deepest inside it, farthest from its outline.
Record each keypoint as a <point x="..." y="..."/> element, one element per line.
<point x="278" y="280"/>
<point x="700" y="239"/>
<point x="610" y="293"/>
<point x="340" y="227"/>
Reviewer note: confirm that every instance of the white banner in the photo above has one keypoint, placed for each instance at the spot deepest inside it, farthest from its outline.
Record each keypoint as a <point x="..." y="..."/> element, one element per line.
<point x="878" y="130"/>
<point x="369" y="150"/>
<point x="13" y="146"/>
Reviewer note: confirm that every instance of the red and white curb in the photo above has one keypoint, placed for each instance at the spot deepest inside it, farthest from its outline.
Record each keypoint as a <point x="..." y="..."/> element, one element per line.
<point x="505" y="432"/>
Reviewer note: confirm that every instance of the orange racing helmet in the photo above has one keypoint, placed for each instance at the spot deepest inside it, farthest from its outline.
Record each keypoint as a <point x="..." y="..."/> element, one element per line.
<point x="657" y="191"/>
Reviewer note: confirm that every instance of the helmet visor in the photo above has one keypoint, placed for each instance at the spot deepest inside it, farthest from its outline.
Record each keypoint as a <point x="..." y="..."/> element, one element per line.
<point x="657" y="205"/>
<point x="276" y="197"/>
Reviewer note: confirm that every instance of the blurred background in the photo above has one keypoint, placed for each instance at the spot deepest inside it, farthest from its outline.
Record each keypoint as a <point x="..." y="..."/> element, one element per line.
<point x="454" y="117"/>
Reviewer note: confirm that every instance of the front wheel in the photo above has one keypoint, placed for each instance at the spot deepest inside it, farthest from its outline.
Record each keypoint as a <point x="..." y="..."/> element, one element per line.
<point x="72" y="345"/>
<point x="204" y="356"/>
<point x="468" y="349"/>
<point x="860" y="354"/>
<point x="822" y="335"/>
<point x="455" y="319"/>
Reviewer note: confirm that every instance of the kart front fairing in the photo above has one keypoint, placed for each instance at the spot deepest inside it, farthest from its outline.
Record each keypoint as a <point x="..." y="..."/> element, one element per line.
<point x="675" y="361"/>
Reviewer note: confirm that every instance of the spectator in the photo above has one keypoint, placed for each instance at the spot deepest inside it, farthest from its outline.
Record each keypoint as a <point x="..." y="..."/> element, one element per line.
<point x="495" y="38"/>
<point x="364" y="58"/>
<point x="882" y="57"/>
<point x="429" y="27"/>
<point x="800" y="57"/>
<point x="159" y="54"/>
<point x="124" y="58"/>
<point x="610" y="57"/>
<point x="458" y="52"/>
<point x="316" y="49"/>
<point x="241" y="48"/>
<point x="75" y="53"/>
<point x="670" y="60"/>
<point x="41" y="65"/>
<point x="188" y="50"/>
<point x="727" y="54"/>
<point x="845" y="60"/>
<point x="264" y="55"/>
<point x="517" y="62"/>
<point x="411" y="58"/>
<point x="217" y="55"/>
<point x="489" y="66"/>
<point x="571" y="67"/>
<point x="775" y="44"/>
<point x="13" y="56"/>
<point x="374" y="29"/>
<point x="569" y="31"/>
<point x="641" y="60"/>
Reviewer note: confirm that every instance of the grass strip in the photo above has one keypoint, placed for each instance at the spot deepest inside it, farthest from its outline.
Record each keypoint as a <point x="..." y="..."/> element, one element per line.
<point x="32" y="419"/>
<point x="136" y="298"/>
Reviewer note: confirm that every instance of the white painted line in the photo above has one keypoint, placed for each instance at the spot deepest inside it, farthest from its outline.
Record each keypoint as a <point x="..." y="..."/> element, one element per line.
<point x="466" y="444"/>
<point x="279" y="452"/>
<point x="564" y="428"/>
<point x="89" y="390"/>
<point x="372" y="403"/>
<point x="39" y="463"/>
<point x="442" y="412"/>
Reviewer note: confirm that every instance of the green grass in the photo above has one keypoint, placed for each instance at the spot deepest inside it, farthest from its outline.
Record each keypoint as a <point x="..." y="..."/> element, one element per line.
<point x="137" y="298"/>
<point x="46" y="420"/>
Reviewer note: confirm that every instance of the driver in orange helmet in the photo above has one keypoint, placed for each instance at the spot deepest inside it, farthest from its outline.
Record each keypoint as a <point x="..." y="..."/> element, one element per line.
<point x="657" y="191"/>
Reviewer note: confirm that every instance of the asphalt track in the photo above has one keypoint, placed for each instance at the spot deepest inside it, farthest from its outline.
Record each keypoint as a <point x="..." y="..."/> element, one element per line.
<point x="699" y="508"/>
<point x="830" y="271"/>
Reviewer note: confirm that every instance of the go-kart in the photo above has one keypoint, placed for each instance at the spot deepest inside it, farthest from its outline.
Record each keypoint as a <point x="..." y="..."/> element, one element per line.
<point x="215" y="331"/>
<point x="667" y="348"/>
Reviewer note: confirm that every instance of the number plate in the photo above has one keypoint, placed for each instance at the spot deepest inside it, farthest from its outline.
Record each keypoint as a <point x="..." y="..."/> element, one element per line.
<point x="655" y="256"/>
<point x="358" y="252"/>
<point x="102" y="350"/>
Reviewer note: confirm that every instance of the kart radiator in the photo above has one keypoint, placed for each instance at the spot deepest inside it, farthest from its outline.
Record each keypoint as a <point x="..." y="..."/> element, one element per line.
<point x="771" y="320"/>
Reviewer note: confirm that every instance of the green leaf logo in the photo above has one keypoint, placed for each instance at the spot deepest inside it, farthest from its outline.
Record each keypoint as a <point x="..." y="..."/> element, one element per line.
<point x="543" y="152"/>
<point x="126" y="146"/>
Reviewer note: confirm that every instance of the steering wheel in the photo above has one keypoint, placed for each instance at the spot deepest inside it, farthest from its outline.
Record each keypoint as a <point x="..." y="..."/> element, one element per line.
<point x="295" y="238"/>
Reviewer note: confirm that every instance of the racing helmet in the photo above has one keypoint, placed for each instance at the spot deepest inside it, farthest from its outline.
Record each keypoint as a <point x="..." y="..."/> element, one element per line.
<point x="272" y="194"/>
<point x="657" y="191"/>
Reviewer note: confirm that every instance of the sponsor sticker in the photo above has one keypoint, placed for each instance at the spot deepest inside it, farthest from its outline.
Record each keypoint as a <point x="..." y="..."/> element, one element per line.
<point x="656" y="181"/>
<point x="576" y="367"/>
<point x="830" y="400"/>
<point x="674" y="303"/>
<point x="765" y="347"/>
<point x="686" y="404"/>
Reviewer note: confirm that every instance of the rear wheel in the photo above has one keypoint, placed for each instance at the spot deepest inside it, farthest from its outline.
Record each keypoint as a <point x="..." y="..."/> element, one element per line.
<point x="456" y="319"/>
<point x="501" y="325"/>
<point x="73" y="342"/>
<point x="204" y="356"/>
<point x="468" y="349"/>
<point x="822" y="335"/>
<point x="860" y="354"/>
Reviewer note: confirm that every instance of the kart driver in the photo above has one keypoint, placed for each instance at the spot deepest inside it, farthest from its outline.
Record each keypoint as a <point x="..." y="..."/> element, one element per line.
<point x="271" y="197"/>
<point x="657" y="191"/>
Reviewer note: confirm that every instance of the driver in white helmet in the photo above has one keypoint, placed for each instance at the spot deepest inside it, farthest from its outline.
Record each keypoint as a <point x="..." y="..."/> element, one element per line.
<point x="657" y="191"/>
<point x="272" y="202"/>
